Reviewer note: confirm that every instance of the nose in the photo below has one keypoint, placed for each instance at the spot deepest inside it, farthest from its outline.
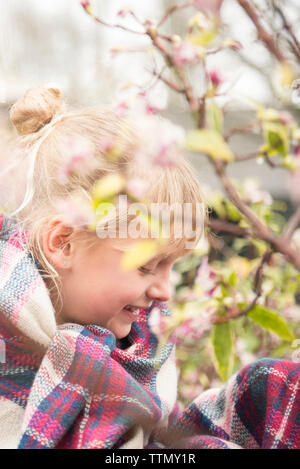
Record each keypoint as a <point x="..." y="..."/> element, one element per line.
<point x="160" y="289"/>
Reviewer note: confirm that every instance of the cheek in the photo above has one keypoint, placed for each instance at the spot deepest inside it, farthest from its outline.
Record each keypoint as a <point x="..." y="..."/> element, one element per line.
<point x="132" y="287"/>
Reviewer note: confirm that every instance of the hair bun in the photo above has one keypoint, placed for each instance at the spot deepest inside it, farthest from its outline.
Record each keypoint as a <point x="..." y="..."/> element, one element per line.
<point x="36" y="109"/>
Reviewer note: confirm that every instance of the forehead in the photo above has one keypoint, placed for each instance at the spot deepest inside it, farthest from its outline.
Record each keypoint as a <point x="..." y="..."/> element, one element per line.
<point x="171" y="252"/>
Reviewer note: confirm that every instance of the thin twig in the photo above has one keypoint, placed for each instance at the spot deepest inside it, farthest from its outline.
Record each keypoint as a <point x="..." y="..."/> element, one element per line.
<point x="292" y="224"/>
<point x="295" y="44"/>
<point x="111" y="25"/>
<point x="246" y="156"/>
<point x="259" y="272"/>
<point x="172" y="10"/>
<point x="241" y="129"/>
<point x="194" y="102"/>
<point x="263" y="232"/>
<point x="263" y="34"/>
<point x="258" y="277"/>
<point x="224" y="226"/>
<point x="271" y="164"/>
<point x="169" y="83"/>
<point x="261" y="228"/>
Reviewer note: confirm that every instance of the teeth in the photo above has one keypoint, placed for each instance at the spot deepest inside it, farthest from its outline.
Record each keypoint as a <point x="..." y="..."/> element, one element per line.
<point x="133" y="310"/>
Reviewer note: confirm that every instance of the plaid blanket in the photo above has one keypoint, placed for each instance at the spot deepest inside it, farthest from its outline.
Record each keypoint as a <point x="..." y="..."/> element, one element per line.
<point x="74" y="386"/>
<point x="259" y="407"/>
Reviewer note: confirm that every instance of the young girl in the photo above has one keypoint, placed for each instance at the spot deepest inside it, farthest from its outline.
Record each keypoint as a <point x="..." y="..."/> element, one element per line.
<point x="81" y="367"/>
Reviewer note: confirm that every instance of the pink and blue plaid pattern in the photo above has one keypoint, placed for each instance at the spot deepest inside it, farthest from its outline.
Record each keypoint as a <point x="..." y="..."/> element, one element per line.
<point x="86" y="389"/>
<point x="259" y="407"/>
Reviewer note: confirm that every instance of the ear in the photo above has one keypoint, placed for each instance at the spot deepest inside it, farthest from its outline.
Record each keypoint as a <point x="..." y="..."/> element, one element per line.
<point x="57" y="244"/>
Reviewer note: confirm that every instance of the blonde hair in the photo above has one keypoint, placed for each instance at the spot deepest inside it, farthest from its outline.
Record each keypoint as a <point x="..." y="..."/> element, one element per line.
<point x="43" y="126"/>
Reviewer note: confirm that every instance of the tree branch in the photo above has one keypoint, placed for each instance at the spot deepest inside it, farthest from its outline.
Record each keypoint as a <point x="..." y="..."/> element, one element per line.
<point x="194" y="102"/>
<point x="218" y="226"/>
<point x="292" y="224"/>
<point x="295" y="44"/>
<point x="246" y="156"/>
<point x="169" y="83"/>
<point x="261" y="228"/>
<point x="109" y="25"/>
<point x="258" y="277"/>
<point x="172" y="10"/>
<point x="263" y="35"/>
<point x="243" y="128"/>
<point x="263" y="232"/>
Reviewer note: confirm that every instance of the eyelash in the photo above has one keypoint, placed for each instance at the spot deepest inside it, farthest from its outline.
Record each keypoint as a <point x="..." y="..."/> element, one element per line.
<point x="146" y="271"/>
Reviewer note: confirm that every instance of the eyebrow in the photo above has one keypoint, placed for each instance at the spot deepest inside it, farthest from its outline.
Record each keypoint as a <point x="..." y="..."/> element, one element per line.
<point x="164" y="256"/>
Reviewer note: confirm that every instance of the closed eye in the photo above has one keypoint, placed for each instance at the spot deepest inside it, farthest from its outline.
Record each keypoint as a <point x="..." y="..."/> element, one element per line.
<point x="145" y="271"/>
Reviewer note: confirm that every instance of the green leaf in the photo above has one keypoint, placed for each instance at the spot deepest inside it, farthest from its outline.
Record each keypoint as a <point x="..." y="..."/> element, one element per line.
<point x="214" y="116"/>
<point x="216" y="203"/>
<point x="202" y="38"/>
<point x="267" y="114"/>
<point x="223" y="348"/>
<point x="287" y="75"/>
<point x="107" y="187"/>
<point x="271" y="321"/>
<point x="232" y="212"/>
<point x="277" y="138"/>
<point x="139" y="253"/>
<point x="211" y="142"/>
<point x="233" y="278"/>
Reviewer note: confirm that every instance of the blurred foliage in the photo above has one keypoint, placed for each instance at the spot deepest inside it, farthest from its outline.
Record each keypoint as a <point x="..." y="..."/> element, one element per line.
<point x="235" y="296"/>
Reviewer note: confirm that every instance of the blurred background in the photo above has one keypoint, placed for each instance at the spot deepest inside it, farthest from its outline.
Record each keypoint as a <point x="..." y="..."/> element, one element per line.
<point x="54" y="41"/>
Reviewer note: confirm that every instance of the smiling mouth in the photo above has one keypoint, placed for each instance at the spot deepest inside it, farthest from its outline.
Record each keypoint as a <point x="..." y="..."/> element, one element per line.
<point x="132" y="311"/>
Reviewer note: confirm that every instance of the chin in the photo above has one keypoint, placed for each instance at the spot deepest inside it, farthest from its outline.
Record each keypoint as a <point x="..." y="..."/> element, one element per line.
<point x="120" y="331"/>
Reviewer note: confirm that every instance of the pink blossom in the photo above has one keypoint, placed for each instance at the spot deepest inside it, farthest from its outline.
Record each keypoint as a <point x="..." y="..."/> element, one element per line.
<point x="150" y="104"/>
<point x="157" y="322"/>
<point x="232" y="44"/>
<point x="75" y="211"/>
<point x="192" y="377"/>
<point x="255" y="195"/>
<point x="215" y="77"/>
<point x="106" y="144"/>
<point x="285" y="117"/>
<point x="206" y="278"/>
<point x="165" y="157"/>
<point x="194" y="328"/>
<point x="161" y="141"/>
<point x="295" y="241"/>
<point x="124" y="11"/>
<point x="85" y="4"/>
<point x="190" y="392"/>
<point x="121" y="109"/>
<point x="116" y="50"/>
<point x="185" y="53"/>
<point x="292" y="313"/>
<point x="244" y="356"/>
<point x="137" y="187"/>
<point x="151" y="109"/>
<point x="184" y="329"/>
<point x="212" y="6"/>
<point x="186" y="294"/>
<point x="78" y="158"/>
<point x="202" y="324"/>
<point x="296" y="151"/>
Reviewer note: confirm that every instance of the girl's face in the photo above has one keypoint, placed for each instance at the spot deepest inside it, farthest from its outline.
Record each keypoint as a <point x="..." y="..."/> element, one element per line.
<point x="96" y="290"/>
